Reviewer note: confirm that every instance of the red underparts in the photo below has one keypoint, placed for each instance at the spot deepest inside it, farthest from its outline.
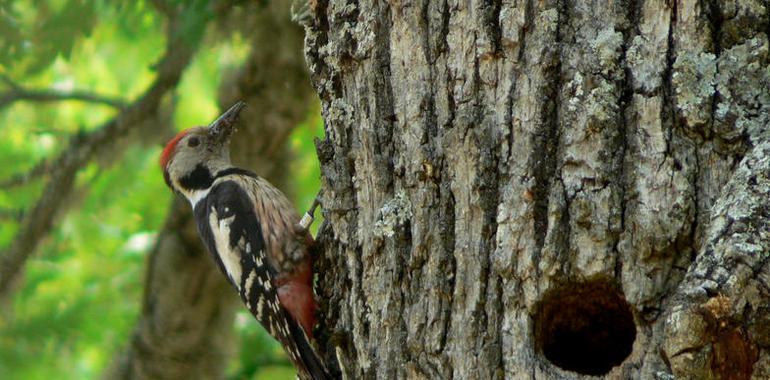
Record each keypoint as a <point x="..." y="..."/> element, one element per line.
<point x="296" y="295"/>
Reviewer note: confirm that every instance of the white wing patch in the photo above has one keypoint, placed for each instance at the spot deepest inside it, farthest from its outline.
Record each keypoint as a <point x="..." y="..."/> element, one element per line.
<point x="260" y="308"/>
<point x="247" y="288"/>
<point x="229" y="256"/>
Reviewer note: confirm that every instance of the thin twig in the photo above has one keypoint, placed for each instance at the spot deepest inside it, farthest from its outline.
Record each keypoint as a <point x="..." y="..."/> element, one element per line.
<point x="21" y="179"/>
<point x="12" y="214"/>
<point x="19" y="93"/>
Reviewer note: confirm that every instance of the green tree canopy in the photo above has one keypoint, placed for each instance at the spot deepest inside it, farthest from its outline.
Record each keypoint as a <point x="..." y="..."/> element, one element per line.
<point x="121" y="76"/>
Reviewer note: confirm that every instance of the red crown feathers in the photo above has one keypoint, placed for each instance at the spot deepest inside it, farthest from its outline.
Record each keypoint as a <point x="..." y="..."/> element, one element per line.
<point x="169" y="149"/>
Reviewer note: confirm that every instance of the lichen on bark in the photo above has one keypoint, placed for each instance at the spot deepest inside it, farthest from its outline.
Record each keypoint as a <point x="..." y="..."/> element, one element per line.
<point x="538" y="144"/>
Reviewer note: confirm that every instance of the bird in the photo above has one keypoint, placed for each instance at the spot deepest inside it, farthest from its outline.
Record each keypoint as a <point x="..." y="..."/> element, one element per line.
<point x="253" y="233"/>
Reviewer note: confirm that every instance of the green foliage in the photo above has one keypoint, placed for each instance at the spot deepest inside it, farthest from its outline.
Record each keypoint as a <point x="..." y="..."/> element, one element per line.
<point x="36" y="33"/>
<point x="304" y="167"/>
<point x="81" y="292"/>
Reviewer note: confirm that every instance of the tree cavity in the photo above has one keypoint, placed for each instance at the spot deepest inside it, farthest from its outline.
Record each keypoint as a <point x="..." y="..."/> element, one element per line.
<point x="585" y="327"/>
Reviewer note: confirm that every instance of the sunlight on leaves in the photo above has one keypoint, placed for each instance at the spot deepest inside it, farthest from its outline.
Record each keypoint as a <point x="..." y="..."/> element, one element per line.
<point x="81" y="292"/>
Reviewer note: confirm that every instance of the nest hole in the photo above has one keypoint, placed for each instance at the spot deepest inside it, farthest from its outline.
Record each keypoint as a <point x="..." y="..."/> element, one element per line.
<point x="585" y="327"/>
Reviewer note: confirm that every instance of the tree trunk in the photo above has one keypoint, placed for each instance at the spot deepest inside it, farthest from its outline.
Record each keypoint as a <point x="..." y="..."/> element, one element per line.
<point x="544" y="189"/>
<point x="185" y="329"/>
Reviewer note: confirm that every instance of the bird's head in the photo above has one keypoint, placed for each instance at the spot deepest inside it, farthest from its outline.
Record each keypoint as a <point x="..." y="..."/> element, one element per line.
<point x="192" y="158"/>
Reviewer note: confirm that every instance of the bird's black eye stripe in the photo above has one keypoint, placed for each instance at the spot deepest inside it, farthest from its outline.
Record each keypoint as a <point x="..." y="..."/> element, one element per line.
<point x="193" y="142"/>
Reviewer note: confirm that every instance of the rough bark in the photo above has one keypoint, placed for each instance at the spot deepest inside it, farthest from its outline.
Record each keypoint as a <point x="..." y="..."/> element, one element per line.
<point x="185" y="329"/>
<point x="498" y="173"/>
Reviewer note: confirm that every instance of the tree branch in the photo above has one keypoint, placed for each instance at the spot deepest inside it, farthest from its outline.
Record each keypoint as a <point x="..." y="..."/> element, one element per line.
<point x="13" y="214"/>
<point x="38" y="222"/>
<point x="19" y="93"/>
<point x="20" y="179"/>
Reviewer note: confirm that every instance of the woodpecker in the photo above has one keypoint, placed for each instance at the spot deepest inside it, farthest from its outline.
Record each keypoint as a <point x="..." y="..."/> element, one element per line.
<point x="253" y="233"/>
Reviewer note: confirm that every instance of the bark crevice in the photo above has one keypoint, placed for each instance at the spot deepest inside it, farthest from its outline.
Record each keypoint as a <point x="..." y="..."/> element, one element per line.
<point x="537" y="142"/>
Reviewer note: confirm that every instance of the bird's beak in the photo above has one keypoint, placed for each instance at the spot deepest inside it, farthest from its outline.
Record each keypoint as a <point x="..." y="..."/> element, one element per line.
<point x="224" y="126"/>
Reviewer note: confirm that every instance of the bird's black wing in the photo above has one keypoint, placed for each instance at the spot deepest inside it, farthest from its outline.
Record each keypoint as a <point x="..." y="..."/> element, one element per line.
<point x="231" y="231"/>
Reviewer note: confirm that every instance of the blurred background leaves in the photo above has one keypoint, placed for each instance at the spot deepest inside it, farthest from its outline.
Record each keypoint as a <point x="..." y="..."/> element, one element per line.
<point x="79" y="295"/>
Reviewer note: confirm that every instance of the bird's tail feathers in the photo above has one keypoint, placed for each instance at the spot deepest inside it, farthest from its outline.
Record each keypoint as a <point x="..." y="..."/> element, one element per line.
<point x="309" y="364"/>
